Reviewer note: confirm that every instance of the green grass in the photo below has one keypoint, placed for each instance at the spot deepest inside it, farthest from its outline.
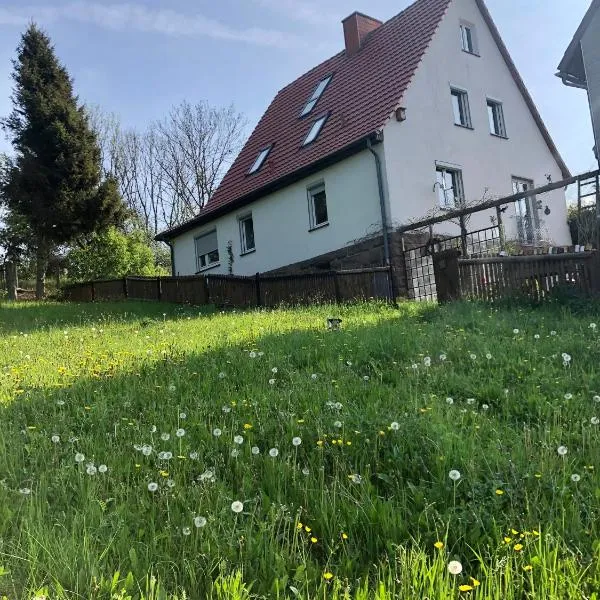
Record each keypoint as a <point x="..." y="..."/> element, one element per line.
<point x="353" y="511"/>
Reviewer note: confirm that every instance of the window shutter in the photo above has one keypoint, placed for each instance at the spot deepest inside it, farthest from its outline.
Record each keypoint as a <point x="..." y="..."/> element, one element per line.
<point x="206" y="243"/>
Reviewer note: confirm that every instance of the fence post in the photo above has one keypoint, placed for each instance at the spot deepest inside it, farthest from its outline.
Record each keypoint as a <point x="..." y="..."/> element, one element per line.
<point x="336" y="287"/>
<point x="125" y="286"/>
<point x="93" y="292"/>
<point x="257" y="288"/>
<point x="500" y="228"/>
<point x="159" y="288"/>
<point x="206" y="288"/>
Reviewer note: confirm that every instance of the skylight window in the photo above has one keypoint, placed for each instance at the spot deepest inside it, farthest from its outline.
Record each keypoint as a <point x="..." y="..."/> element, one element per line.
<point x="260" y="159"/>
<point x="315" y="96"/>
<point x="315" y="130"/>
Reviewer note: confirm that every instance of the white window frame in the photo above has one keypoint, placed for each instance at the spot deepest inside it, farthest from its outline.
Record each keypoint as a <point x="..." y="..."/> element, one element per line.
<point x="497" y="116"/>
<point x="458" y="196"/>
<point x="205" y="258"/>
<point x="312" y="191"/>
<point x="315" y="130"/>
<point x="243" y="241"/>
<point x="462" y="97"/>
<point x="472" y="36"/>
<point x="314" y="97"/>
<point x="260" y="160"/>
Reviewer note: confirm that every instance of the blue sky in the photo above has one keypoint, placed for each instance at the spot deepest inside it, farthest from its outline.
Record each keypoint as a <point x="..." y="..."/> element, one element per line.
<point x="138" y="58"/>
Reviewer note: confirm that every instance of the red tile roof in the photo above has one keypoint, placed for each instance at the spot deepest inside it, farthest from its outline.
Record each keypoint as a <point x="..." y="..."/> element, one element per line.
<point x="364" y="92"/>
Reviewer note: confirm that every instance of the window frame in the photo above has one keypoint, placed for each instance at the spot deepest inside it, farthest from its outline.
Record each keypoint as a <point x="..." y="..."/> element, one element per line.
<point x="322" y="120"/>
<point x="311" y="192"/>
<point x="314" y="97"/>
<point x="472" y="37"/>
<point x="258" y="164"/>
<point x="244" y="249"/>
<point x="497" y="117"/>
<point x="464" y="106"/>
<point x="457" y="186"/>
<point x="209" y="265"/>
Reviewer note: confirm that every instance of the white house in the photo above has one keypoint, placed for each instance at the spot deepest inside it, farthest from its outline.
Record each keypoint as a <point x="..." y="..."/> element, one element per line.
<point x="580" y="66"/>
<point x="424" y="112"/>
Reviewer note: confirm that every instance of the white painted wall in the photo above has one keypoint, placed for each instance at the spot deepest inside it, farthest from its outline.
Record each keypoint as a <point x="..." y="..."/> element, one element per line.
<point x="590" y="47"/>
<point x="281" y="222"/>
<point x="429" y="133"/>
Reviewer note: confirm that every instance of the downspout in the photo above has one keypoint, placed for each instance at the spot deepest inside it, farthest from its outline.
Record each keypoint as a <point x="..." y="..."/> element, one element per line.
<point x="170" y="244"/>
<point x="384" y="220"/>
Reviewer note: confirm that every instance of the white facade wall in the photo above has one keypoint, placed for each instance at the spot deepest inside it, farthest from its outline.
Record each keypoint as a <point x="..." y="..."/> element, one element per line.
<point x="487" y="162"/>
<point x="281" y="222"/>
<point x="590" y="48"/>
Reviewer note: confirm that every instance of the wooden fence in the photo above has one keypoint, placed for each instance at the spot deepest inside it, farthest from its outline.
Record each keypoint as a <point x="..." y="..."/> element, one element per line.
<point x="241" y="292"/>
<point x="532" y="276"/>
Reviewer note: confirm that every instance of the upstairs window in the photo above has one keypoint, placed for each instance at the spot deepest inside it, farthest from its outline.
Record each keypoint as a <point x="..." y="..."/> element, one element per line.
<point x="260" y="159"/>
<point x="312" y="101"/>
<point x="317" y="206"/>
<point x="449" y="187"/>
<point x="496" y="118"/>
<point x="247" y="234"/>
<point x="460" y="105"/>
<point x="468" y="38"/>
<point x="207" y="251"/>
<point x="314" y="131"/>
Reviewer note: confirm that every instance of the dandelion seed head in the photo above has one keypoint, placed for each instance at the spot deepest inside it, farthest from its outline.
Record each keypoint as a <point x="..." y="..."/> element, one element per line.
<point x="165" y="437"/>
<point x="273" y="452"/>
<point x="473" y="356"/>
<point x="152" y="486"/>
<point x="252" y="354"/>
<point x="516" y="331"/>
<point x="488" y="356"/>
<point x="568" y="396"/>
<point x="314" y="376"/>
<point x="337" y="424"/>
<point x="182" y="415"/>
<point x="449" y="401"/>
<point x="454" y="475"/>
<point x="395" y="426"/>
<point x="217" y="432"/>
<point x="55" y="439"/>
<point x="180" y="432"/>
<point x="272" y="381"/>
<point x="255" y="450"/>
<point x="199" y="522"/>
<point x="306" y="471"/>
<point x="455" y="567"/>
<point x="146" y="450"/>
<point x="427" y="361"/>
<point x="575" y="477"/>
<point x="79" y="458"/>
<point x="25" y="491"/>
<point x="238" y="439"/>
<point x="355" y="478"/>
<point x="594" y="420"/>
<point x="443" y="357"/>
<point x="562" y="450"/>
<point x="274" y="370"/>
<point x="237" y="506"/>
<point x="296" y="441"/>
<point x="170" y="483"/>
<point x="235" y="453"/>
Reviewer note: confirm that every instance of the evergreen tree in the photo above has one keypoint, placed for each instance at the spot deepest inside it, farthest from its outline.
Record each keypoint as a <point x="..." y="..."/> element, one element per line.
<point x="56" y="183"/>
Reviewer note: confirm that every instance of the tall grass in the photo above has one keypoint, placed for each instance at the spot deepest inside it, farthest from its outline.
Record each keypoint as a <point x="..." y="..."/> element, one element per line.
<point x="152" y="451"/>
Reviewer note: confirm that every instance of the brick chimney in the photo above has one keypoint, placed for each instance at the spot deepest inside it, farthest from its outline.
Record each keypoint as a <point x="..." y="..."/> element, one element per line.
<point x="356" y="28"/>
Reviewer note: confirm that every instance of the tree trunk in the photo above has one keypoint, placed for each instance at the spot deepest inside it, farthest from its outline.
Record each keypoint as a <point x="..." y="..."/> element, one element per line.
<point x="41" y="267"/>
<point x="11" y="280"/>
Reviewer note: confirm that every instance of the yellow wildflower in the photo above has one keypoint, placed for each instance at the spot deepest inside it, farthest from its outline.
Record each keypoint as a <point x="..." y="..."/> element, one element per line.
<point x="465" y="588"/>
<point x="247" y="426"/>
<point x="307" y="529"/>
<point x="344" y="536"/>
<point x="507" y="540"/>
<point x="518" y="547"/>
<point x="474" y="582"/>
<point x="319" y="442"/>
<point x="314" y="540"/>
<point x="299" y="526"/>
<point x="527" y="568"/>
<point x="499" y="492"/>
<point x="439" y="545"/>
<point x="514" y="531"/>
<point x="327" y="576"/>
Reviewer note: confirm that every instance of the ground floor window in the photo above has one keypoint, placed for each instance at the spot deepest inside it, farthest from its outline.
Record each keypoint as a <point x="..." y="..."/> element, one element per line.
<point x="207" y="250"/>
<point x="449" y="187"/>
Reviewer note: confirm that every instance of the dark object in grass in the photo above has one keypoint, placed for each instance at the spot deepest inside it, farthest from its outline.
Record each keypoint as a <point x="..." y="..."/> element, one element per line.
<point x="333" y="323"/>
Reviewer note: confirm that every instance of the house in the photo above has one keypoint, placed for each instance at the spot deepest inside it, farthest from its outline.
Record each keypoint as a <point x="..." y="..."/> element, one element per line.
<point x="580" y="66"/>
<point x="421" y="113"/>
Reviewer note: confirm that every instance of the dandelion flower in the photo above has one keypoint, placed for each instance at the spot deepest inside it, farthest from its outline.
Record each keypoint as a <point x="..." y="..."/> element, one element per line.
<point x="235" y="453"/>
<point x="255" y="450"/>
<point x="221" y="375"/>
<point x="296" y="441"/>
<point x="271" y="381"/>
<point x="79" y="458"/>
<point x="314" y="540"/>
<point x="594" y="420"/>
<point x="182" y="415"/>
<point x="337" y="424"/>
<point x="180" y="432"/>
<point x="102" y="469"/>
<point x="516" y="331"/>
<point x="395" y="426"/>
<point x="55" y="439"/>
<point x="553" y="333"/>
<point x="568" y="396"/>
<point x="518" y="547"/>
<point x="25" y="491"/>
<point x="473" y="356"/>
<point x="499" y="492"/>
<point x="217" y="432"/>
<point x="327" y="576"/>
<point x="527" y="568"/>
<point x="237" y="506"/>
<point x="443" y="357"/>
<point x="454" y="567"/>
<point x="454" y="475"/>
<point x="449" y="401"/>
<point x="193" y="456"/>
<point x="273" y="453"/>
<point x="146" y="450"/>
<point x="562" y="450"/>
<point x="575" y="478"/>
<point x="306" y="471"/>
<point x="199" y="522"/>
<point x="488" y="356"/>
<point x="470" y="401"/>
<point x="152" y="486"/>
<point x="593" y="326"/>
<point x="252" y="354"/>
<point x="238" y="439"/>
<point x="465" y="587"/>
<point x="439" y="545"/>
<point x="165" y="437"/>
<point x="226" y="409"/>
<point x="355" y="478"/>
<point x="314" y="376"/>
<point x="427" y="361"/>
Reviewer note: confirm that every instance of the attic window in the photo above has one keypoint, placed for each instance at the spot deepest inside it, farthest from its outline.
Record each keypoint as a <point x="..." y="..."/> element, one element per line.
<point x="315" y="96"/>
<point x="315" y="130"/>
<point x="260" y="159"/>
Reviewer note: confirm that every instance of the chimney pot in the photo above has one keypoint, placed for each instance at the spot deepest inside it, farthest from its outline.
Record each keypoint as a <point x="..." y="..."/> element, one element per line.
<point x="356" y="29"/>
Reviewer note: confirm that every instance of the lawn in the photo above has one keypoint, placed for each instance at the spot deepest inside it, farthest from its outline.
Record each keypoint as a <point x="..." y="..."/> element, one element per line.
<point x="158" y="452"/>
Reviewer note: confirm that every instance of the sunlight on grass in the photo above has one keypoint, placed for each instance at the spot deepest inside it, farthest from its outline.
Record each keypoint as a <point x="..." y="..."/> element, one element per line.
<point x="152" y="451"/>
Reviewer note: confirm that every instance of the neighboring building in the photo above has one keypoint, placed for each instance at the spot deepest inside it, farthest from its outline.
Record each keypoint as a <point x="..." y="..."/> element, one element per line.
<point x="580" y="66"/>
<point x="423" y="112"/>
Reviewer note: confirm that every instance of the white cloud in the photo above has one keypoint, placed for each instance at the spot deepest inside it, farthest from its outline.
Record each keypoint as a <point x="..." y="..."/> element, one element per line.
<point x="138" y="17"/>
<point x="299" y="10"/>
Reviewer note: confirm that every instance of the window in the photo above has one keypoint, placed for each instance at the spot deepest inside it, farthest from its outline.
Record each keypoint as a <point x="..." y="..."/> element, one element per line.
<point x="317" y="206"/>
<point x="449" y="187"/>
<point x="315" y="96"/>
<point x="496" y="117"/>
<point x="527" y="216"/>
<point x="315" y="130"/>
<point x="260" y="159"/>
<point x="247" y="234"/>
<point x="467" y="38"/>
<point x="207" y="250"/>
<point x="460" y="104"/>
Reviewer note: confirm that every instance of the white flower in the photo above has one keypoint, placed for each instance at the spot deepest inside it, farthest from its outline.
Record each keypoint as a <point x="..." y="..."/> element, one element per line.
<point x="255" y="450"/>
<point x="365" y="378"/>
<point x="395" y="426"/>
<point x="553" y="333"/>
<point x="454" y="567"/>
<point x="454" y="475"/>
<point x="25" y="491"/>
<point x="152" y="486"/>
<point x="146" y="450"/>
<point x="273" y="452"/>
<point x="182" y="415"/>
<point x="337" y="424"/>
<point x="172" y="387"/>
<point x="516" y="331"/>
<point x="594" y="420"/>
<point x="186" y="531"/>
<point x="485" y="406"/>
<point x="566" y="358"/>
<point x="271" y="381"/>
<point x="415" y="366"/>
<point x="355" y="478"/>
<point x="221" y="375"/>
<point x="165" y="437"/>
<point x="593" y="326"/>
<point x="235" y="453"/>
<point x="488" y="356"/>
<point x="470" y="400"/>
<point x="337" y="405"/>
<point x="562" y="450"/>
<point x="180" y="432"/>
<point x="349" y="363"/>
<point x="237" y="506"/>
<point x="306" y="471"/>
<point x="193" y="456"/>
<point x="443" y="357"/>
<point x="79" y="457"/>
<point x="91" y="469"/>
<point x="314" y="376"/>
<point x="473" y="356"/>
<point x="568" y="396"/>
<point x="252" y="354"/>
<point x="427" y="361"/>
<point x="449" y="401"/>
<point x="199" y="522"/>
<point x="153" y="429"/>
<point x="55" y="439"/>
<point x="170" y="483"/>
<point x="217" y="432"/>
<point x="596" y="398"/>
<point x="238" y="439"/>
<point x="102" y="469"/>
<point x="296" y="441"/>
<point x="60" y="402"/>
<point x="274" y="370"/>
<point x="575" y="478"/>
<point x="226" y="409"/>
<point x="536" y="336"/>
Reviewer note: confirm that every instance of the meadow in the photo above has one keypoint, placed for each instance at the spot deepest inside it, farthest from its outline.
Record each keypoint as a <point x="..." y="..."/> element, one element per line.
<point x="158" y="452"/>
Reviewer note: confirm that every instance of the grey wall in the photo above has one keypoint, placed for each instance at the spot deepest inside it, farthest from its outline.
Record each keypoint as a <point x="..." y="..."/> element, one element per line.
<point x="590" y="46"/>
